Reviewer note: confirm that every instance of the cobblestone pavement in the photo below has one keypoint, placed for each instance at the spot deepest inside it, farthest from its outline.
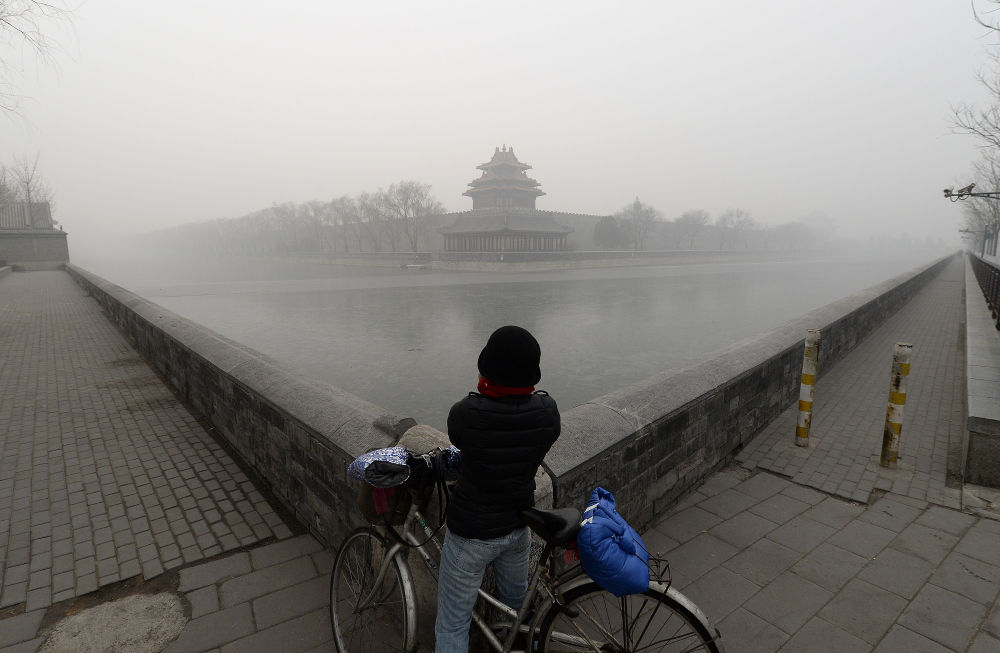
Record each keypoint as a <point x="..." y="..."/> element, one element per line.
<point x="104" y="475"/>
<point x="851" y="401"/>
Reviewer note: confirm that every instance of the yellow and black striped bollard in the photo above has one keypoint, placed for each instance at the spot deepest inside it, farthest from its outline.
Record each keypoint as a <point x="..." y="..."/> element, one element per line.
<point x="897" y="400"/>
<point x="810" y="368"/>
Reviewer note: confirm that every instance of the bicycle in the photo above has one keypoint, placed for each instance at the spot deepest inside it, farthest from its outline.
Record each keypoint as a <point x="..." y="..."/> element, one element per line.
<point x="373" y="604"/>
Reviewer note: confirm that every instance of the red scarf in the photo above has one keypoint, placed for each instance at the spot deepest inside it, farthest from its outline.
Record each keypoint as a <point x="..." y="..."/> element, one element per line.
<point x="491" y="389"/>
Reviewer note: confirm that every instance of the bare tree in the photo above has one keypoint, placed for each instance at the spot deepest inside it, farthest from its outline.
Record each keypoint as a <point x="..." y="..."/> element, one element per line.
<point x="22" y="27"/>
<point x="407" y="205"/>
<point x="8" y="193"/>
<point x="636" y="220"/>
<point x="733" y="225"/>
<point x="690" y="224"/>
<point x="981" y="215"/>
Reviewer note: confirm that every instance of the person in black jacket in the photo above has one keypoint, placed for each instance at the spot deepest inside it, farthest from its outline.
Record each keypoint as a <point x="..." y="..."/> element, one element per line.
<point x="504" y="432"/>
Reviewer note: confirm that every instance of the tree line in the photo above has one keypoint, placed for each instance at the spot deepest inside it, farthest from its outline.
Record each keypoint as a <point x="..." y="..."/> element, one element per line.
<point x="639" y="226"/>
<point x="400" y="218"/>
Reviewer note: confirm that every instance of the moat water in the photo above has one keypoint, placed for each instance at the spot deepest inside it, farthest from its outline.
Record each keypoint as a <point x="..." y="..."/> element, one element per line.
<point x="408" y="340"/>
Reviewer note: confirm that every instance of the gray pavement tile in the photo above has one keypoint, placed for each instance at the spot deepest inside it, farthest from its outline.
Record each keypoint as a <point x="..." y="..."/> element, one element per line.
<point x="763" y="485"/>
<point x="715" y="484"/>
<point x="864" y="610"/>
<point x="898" y="572"/>
<point x="901" y="639"/>
<point x="283" y="551"/>
<point x="820" y="635"/>
<point x="969" y="577"/>
<point x="949" y="521"/>
<point x="301" y="634"/>
<point x="655" y="540"/>
<point x="779" y="508"/>
<point x="927" y="543"/>
<point x="264" y="581"/>
<point x="209" y="573"/>
<point x="743" y="529"/>
<point x="688" y="523"/>
<point x="801" y="533"/>
<point x="788" y="602"/>
<point x="992" y="623"/>
<point x="20" y="628"/>
<point x="833" y="512"/>
<point x="888" y="512"/>
<point x="943" y="616"/>
<point x="750" y="634"/>
<point x="763" y="561"/>
<point x="24" y="647"/>
<point x="39" y="598"/>
<point x="863" y="538"/>
<point x="203" y="601"/>
<point x="981" y="543"/>
<point x="695" y="557"/>
<point x="984" y="643"/>
<point x="324" y="560"/>
<point x="727" y="503"/>
<point x="215" y="629"/>
<point x="829" y="566"/>
<point x="291" y="602"/>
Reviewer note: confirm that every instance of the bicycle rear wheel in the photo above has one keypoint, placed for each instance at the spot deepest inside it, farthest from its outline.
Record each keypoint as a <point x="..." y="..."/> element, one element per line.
<point x="366" y="618"/>
<point x="596" y="620"/>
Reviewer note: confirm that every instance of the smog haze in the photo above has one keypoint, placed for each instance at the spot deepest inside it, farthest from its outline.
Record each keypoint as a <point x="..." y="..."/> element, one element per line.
<point x="157" y="114"/>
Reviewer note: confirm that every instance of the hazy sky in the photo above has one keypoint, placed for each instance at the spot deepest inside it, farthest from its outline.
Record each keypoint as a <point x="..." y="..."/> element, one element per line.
<point x="160" y="113"/>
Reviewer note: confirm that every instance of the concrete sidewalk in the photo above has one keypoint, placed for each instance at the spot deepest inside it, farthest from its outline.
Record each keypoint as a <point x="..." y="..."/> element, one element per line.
<point x="820" y="549"/>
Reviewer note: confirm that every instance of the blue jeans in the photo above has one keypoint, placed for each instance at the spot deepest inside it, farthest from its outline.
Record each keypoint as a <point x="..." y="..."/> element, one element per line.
<point x="463" y="563"/>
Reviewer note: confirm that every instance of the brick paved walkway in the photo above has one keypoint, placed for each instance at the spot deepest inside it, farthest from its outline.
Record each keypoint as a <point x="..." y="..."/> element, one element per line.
<point x="851" y="401"/>
<point x="783" y="567"/>
<point x="104" y="475"/>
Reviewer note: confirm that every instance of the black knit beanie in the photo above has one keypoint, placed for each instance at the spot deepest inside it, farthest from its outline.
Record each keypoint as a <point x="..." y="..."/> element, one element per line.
<point x="511" y="358"/>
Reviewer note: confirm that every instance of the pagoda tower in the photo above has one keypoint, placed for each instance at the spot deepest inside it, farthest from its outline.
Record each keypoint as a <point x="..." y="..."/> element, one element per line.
<point x="504" y="183"/>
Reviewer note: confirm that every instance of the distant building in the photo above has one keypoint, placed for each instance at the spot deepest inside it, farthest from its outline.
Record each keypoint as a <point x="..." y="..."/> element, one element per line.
<point x="29" y="239"/>
<point x="503" y="216"/>
<point x="22" y="215"/>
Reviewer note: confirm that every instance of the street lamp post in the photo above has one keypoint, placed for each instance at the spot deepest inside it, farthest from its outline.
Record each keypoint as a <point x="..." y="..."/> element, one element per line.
<point x="990" y="229"/>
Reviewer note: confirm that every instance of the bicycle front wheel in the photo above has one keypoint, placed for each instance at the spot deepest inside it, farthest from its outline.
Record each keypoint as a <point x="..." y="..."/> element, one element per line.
<point x="366" y="617"/>
<point x="595" y="620"/>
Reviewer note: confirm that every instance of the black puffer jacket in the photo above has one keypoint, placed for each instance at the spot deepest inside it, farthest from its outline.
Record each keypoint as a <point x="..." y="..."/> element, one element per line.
<point x="503" y="441"/>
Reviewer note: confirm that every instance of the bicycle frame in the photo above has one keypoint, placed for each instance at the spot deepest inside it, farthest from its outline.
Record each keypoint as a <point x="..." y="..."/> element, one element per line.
<point x="545" y="580"/>
<point x="414" y="517"/>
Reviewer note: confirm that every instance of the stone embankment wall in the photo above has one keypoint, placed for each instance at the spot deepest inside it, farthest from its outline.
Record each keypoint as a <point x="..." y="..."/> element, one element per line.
<point x="649" y="442"/>
<point x="297" y="435"/>
<point x="653" y="441"/>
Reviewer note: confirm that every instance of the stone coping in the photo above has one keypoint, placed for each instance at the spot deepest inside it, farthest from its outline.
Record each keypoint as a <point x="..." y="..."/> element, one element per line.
<point x="982" y="347"/>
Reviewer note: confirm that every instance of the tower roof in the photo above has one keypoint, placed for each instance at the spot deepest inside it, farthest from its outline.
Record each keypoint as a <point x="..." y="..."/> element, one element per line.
<point x="504" y="173"/>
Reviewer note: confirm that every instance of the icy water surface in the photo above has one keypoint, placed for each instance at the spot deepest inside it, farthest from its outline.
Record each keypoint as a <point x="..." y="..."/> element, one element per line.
<point x="408" y="341"/>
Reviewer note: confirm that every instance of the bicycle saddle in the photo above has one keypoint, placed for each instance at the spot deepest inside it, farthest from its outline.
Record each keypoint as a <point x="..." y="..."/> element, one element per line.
<point x="558" y="526"/>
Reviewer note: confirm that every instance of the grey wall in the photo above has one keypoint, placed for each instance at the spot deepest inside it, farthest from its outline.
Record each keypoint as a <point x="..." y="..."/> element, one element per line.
<point x="34" y="249"/>
<point x="298" y="435"/>
<point x="651" y="442"/>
